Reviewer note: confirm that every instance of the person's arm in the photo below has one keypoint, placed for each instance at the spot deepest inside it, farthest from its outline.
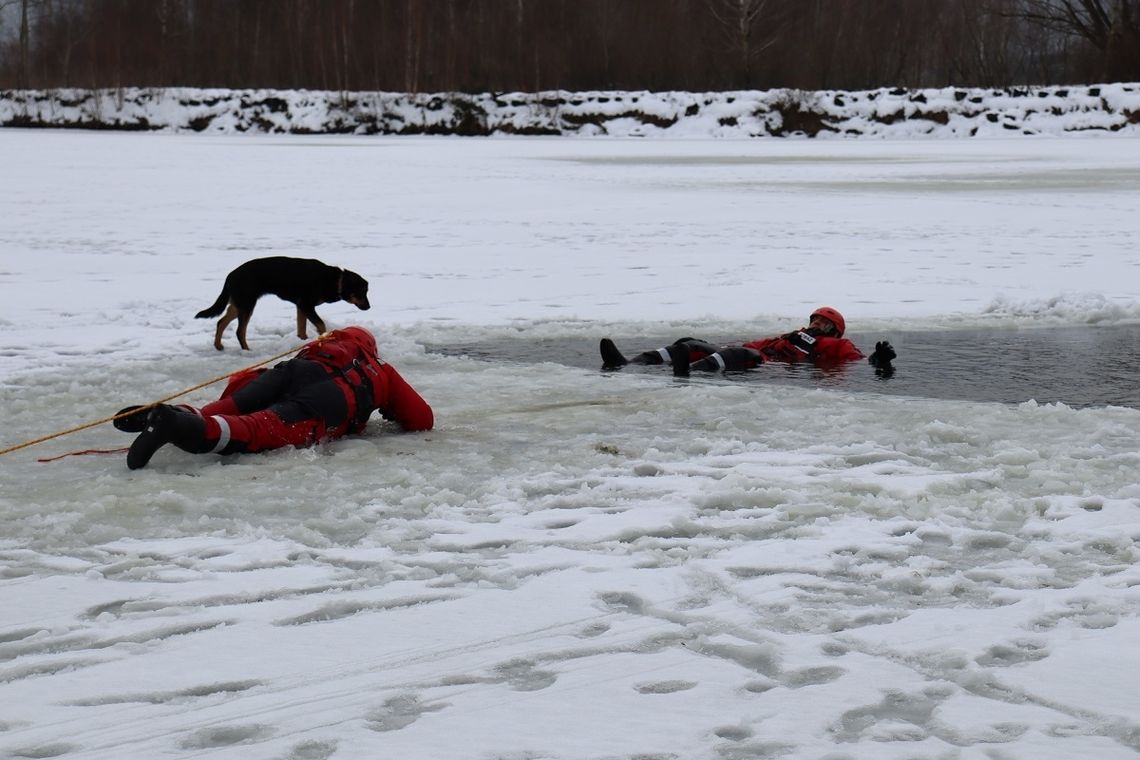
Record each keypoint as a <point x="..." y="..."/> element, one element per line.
<point x="837" y="350"/>
<point x="404" y="406"/>
<point x="760" y="343"/>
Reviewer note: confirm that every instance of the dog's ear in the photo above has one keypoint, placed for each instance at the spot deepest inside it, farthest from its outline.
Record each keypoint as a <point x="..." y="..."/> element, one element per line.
<point x="357" y="283"/>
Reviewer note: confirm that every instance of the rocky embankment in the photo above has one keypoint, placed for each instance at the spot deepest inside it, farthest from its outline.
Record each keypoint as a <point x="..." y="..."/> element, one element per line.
<point x="886" y="112"/>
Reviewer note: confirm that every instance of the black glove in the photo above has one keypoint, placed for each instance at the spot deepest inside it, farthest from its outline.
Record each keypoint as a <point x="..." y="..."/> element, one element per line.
<point x="883" y="355"/>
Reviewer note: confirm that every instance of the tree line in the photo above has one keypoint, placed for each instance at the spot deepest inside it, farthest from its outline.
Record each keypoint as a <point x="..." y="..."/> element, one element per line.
<point x="537" y="45"/>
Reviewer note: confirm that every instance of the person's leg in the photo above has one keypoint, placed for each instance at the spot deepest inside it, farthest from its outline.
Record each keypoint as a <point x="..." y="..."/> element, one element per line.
<point x="729" y="359"/>
<point x="697" y="348"/>
<point x="258" y="392"/>
<point x="653" y="357"/>
<point x="132" y="419"/>
<point x="247" y="392"/>
<point x="286" y="424"/>
<point x="168" y="424"/>
<point x="679" y="358"/>
<point x="223" y="433"/>
<point x="612" y="358"/>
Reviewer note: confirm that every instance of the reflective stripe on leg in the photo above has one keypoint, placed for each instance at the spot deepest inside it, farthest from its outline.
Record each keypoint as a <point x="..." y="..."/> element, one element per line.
<point x="223" y="434"/>
<point x="664" y="355"/>
<point x="719" y="360"/>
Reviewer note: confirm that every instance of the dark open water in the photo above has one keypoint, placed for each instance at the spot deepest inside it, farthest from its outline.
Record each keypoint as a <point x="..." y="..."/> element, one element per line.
<point x="1077" y="366"/>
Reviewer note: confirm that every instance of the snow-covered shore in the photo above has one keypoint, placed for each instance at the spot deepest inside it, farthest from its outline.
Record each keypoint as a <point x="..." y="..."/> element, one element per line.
<point x="885" y="112"/>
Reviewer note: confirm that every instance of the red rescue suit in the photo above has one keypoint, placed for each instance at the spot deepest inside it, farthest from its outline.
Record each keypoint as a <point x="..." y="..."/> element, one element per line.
<point x="800" y="346"/>
<point x="328" y="390"/>
<point x="790" y="348"/>
<point x="820" y="343"/>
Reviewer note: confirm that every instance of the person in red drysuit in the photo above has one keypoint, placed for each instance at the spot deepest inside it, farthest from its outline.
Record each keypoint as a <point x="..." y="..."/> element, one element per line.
<point x="328" y="390"/>
<point x="821" y="343"/>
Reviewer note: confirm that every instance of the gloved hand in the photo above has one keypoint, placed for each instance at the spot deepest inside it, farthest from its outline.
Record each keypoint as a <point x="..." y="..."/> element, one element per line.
<point x="883" y="355"/>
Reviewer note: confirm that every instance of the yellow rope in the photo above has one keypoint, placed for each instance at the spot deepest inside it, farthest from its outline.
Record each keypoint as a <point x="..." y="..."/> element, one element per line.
<point x="76" y="429"/>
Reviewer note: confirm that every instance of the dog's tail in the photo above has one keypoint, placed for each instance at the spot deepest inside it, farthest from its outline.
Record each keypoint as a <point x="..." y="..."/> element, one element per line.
<point x="218" y="306"/>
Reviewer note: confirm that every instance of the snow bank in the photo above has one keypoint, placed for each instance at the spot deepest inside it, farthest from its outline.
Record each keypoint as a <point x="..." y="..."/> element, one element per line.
<point x="885" y="112"/>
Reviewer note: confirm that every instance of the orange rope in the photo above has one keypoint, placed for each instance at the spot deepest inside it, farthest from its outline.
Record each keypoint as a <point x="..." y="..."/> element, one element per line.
<point x="171" y="397"/>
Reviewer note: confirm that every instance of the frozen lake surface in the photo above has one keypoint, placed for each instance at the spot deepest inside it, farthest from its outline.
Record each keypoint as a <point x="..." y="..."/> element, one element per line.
<point x="578" y="564"/>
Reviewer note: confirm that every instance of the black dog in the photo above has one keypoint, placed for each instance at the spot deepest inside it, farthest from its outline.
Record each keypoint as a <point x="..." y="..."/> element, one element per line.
<point x="304" y="282"/>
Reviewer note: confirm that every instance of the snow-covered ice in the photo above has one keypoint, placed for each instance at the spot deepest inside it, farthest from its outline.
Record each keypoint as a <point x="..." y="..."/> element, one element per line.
<point x="573" y="564"/>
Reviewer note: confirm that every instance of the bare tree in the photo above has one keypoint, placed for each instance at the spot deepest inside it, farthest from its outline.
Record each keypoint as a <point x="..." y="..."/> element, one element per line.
<point x="749" y="30"/>
<point x="1111" y="26"/>
<point x="506" y="45"/>
<point x="22" y="68"/>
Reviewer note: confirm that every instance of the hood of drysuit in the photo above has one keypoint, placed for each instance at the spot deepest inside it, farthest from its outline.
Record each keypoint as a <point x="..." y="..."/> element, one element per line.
<point x="358" y="336"/>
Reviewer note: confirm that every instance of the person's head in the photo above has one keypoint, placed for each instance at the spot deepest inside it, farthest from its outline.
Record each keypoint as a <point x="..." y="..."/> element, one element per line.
<point x="827" y="321"/>
<point x="360" y="337"/>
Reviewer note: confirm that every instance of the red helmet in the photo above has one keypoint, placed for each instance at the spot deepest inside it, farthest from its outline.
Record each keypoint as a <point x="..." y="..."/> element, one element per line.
<point x="832" y="316"/>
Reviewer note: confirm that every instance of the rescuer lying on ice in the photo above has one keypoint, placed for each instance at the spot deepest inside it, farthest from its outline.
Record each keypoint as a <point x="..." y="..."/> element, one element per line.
<point x="328" y="390"/>
<point x="821" y="343"/>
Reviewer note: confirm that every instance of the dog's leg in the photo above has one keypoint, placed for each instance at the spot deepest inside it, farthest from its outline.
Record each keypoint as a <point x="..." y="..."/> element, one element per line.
<point x="301" y="333"/>
<point x="309" y="313"/>
<point x="243" y="322"/>
<point x="223" y="323"/>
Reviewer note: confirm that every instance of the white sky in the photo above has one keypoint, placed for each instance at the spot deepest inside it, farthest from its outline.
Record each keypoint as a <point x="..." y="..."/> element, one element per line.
<point x="573" y="564"/>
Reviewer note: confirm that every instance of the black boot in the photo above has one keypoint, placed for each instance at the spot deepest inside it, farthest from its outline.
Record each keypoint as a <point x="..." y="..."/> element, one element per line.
<point x="135" y="421"/>
<point x="166" y="424"/>
<point x="136" y="414"/>
<point x="611" y="357"/>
